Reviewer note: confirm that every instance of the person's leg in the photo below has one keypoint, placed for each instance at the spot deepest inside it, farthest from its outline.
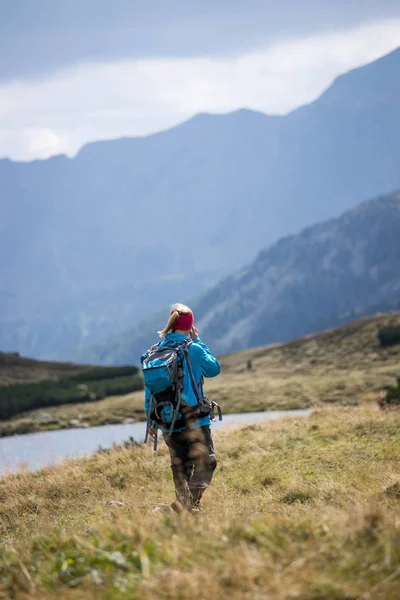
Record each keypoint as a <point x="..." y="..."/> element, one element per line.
<point x="202" y="455"/>
<point x="181" y="466"/>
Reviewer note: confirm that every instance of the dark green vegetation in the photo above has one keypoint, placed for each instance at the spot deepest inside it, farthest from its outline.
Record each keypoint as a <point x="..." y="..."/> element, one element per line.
<point x="104" y="373"/>
<point x="15" y="399"/>
<point x="18" y="369"/>
<point x="392" y="396"/>
<point x="87" y="384"/>
<point x="328" y="275"/>
<point x="390" y="335"/>
<point x="247" y="179"/>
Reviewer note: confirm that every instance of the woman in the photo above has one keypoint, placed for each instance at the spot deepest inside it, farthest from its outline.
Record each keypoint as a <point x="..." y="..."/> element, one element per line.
<point x="190" y="444"/>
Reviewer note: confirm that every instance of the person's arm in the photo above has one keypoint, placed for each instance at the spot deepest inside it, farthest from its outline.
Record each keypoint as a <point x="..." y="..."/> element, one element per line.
<point x="210" y="366"/>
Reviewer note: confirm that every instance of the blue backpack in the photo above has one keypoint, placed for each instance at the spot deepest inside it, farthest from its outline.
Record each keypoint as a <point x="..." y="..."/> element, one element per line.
<point x="163" y="372"/>
<point x="162" y="367"/>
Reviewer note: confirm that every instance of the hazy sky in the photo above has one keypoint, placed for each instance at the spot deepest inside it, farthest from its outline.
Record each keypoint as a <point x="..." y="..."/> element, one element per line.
<point x="73" y="71"/>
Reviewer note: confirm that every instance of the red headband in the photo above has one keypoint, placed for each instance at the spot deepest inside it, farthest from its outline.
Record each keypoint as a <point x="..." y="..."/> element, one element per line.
<point x="184" y="322"/>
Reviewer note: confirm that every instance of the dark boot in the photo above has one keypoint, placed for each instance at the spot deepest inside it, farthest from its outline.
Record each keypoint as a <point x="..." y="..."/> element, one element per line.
<point x="184" y="498"/>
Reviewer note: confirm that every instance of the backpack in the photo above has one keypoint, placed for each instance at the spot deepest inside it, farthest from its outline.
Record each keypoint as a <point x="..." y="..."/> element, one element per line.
<point x="162" y="368"/>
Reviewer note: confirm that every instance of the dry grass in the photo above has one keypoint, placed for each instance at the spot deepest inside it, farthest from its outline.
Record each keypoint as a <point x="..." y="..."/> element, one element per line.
<point x="300" y="509"/>
<point x="346" y="366"/>
<point x="343" y="366"/>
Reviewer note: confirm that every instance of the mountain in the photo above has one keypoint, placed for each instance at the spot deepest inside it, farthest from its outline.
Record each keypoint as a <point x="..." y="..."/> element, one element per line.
<point x="337" y="270"/>
<point x="89" y="245"/>
<point x="327" y="275"/>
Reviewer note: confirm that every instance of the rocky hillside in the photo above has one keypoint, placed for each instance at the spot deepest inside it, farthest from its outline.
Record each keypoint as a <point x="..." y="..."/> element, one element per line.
<point x="330" y="272"/>
<point x="323" y="277"/>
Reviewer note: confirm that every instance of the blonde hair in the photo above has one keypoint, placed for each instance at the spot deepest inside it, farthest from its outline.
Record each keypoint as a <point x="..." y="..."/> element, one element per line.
<point x="175" y="311"/>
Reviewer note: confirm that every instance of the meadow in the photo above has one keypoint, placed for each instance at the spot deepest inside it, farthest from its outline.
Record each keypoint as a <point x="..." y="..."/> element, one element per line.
<point x="306" y="508"/>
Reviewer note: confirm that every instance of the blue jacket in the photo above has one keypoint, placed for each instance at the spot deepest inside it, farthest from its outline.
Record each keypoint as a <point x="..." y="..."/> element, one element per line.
<point x="203" y="364"/>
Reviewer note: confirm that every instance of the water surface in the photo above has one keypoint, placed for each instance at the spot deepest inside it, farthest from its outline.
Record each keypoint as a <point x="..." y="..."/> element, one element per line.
<point x="35" y="450"/>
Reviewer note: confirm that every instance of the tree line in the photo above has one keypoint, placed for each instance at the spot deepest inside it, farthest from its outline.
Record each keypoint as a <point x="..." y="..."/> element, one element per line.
<point x="88" y="386"/>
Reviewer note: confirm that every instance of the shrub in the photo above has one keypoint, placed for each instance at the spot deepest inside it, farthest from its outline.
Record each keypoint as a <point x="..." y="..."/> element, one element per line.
<point x="391" y="397"/>
<point x="389" y="335"/>
<point x="393" y="393"/>
<point x="393" y="491"/>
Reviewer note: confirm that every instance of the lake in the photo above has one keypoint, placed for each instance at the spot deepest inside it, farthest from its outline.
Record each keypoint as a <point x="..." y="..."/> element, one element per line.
<point x="36" y="450"/>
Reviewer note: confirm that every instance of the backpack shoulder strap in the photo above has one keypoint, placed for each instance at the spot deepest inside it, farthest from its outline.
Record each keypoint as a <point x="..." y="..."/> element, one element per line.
<point x="192" y="379"/>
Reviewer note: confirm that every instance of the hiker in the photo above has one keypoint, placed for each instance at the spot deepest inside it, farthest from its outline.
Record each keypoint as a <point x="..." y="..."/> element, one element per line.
<point x="181" y="411"/>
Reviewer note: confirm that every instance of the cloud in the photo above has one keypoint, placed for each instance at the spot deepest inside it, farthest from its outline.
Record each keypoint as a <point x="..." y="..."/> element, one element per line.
<point x="41" y="36"/>
<point x="60" y="113"/>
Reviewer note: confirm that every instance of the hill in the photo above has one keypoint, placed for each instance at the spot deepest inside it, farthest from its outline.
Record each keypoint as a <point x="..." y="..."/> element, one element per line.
<point x="344" y="366"/>
<point x="86" y="244"/>
<point x="16" y="369"/>
<point x="327" y="275"/>
<point x="26" y="385"/>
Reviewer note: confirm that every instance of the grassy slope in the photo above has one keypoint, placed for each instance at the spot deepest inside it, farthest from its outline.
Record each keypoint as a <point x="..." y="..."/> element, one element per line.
<point x="17" y="369"/>
<point x="344" y="366"/>
<point x="301" y="509"/>
<point x="114" y="409"/>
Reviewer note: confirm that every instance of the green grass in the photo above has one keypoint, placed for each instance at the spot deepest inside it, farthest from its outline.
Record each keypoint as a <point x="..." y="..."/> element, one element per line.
<point x="299" y="509"/>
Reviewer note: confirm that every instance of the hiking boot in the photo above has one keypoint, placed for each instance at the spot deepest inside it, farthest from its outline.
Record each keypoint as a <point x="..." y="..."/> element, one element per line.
<point x="197" y="508"/>
<point x="178" y="507"/>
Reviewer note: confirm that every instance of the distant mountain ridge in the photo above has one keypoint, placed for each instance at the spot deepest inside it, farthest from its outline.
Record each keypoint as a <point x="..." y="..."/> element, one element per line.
<point x="89" y="245"/>
<point x="371" y="84"/>
<point x="327" y="275"/>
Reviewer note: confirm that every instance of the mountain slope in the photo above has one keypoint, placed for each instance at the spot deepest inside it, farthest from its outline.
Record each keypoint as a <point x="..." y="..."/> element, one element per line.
<point x="308" y="280"/>
<point x="84" y="241"/>
<point x="326" y="275"/>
